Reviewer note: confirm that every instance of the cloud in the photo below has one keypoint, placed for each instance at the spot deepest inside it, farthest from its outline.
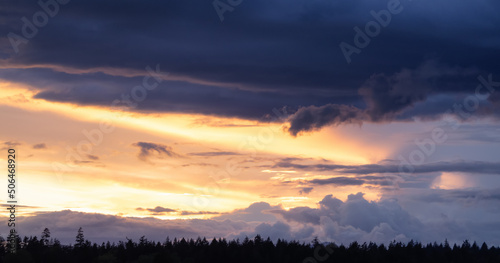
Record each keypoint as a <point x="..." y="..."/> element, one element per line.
<point x="92" y="160"/>
<point x="157" y="210"/>
<point x="300" y="214"/>
<point x="188" y="213"/>
<point x="355" y="219"/>
<point x="199" y="164"/>
<point x="245" y="72"/>
<point x="40" y="146"/>
<point x="275" y="231"/>
<point x="93" y="157"/>
<point x="443" y="166"/>
<point x="306" y="190"/>
<point x="256" y="212"/>
<point x="147" y="149"/>
<point x="313" y="118"/>
<point x="340" y="181"/>
<point x="388" y="97"/>
<point x="219" y="78"/>
<point x="22" y="206"/>
<point x="463" y="196"/>
<point x="211" y="154"/>
<point x="101" y="228"/>
<point x="10" y="145"/>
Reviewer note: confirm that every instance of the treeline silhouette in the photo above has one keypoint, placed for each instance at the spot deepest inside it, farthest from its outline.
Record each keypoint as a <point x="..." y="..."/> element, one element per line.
<point x="46" y="249"/>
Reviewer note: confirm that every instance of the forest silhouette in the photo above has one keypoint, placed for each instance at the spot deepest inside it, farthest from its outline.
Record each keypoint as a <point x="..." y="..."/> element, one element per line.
<point x="258" y="249"/>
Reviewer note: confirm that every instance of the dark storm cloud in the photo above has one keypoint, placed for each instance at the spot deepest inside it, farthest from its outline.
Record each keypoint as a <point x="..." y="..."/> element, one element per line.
<point x="469" y="196"/>
<point x="455" y="166"/>
<point x="340" y="181"/>
<point x="394" y="97"/>
<point x="265" y="55"/>
<point x="169" y="96"/>
<point x="314" y="118"/>
<point x="386" y="96"/>
<point x="347" y="181"/>
<point x="147" y="149"/>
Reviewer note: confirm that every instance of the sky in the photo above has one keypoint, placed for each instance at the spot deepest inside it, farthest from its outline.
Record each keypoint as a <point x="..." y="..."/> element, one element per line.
<point x="342" y="120"/>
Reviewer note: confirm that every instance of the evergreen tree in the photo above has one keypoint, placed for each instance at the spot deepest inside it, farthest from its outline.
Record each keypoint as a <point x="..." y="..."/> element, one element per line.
<point x="45" y="237"/>
<point x="80" y="239"/>
<point x="249" y="251"/>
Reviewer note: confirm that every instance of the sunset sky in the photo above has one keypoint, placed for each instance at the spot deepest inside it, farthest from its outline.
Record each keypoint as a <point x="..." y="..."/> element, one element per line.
<point x="342" y="120"/>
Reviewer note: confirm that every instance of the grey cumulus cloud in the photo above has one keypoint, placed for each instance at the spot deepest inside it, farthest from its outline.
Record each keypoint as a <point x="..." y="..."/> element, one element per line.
<point x="355" y="219"/>
<point x="256" y="212"/>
